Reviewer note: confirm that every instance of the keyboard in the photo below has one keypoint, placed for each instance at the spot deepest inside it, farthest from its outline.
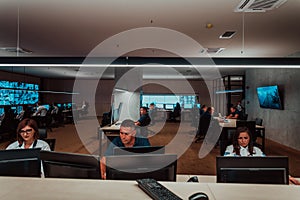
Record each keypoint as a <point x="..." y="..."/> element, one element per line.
<point x="155" y="190"/>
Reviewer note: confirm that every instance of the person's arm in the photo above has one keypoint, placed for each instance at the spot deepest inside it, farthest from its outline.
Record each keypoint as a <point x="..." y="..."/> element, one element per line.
<point x="293" y="181"/>
<point x="229" y="151"/>
<point x="137" y="123"/>
<point x="103" y="167"/>
<point x="236" y="116"/>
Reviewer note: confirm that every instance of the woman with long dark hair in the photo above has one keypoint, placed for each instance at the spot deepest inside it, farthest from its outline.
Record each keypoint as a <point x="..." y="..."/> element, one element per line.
<point x="242" y="144"/>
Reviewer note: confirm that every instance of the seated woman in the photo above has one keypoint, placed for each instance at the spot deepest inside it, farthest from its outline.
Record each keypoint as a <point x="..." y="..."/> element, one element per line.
<point x="242" y="144"/>
<point x="27" y="136"/>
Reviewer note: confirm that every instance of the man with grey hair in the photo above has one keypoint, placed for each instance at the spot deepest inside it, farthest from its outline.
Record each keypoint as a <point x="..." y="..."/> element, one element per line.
<point x="127" y="138"/>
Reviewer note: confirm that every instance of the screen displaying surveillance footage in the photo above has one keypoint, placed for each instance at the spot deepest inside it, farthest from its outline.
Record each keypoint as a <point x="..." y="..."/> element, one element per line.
<point x="18" y="93"/>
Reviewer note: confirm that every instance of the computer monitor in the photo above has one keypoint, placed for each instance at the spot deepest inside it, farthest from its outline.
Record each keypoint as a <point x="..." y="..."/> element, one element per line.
<point x="161" y="167"/>
<point x="70" y="165"/>
<point x="188" y="106"/>
<point x="258" y="170"/>
<point x="138" y="150"/>
<point x="1" y="111"/>
<point x="169" y="106"/>
<point x="20" y="162"/>
<point x="159" y="105"/>
<point x="115" y="115"/>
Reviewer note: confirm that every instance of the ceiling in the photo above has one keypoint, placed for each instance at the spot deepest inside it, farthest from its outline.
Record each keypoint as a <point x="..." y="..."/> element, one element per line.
<point x="136" y="28"/>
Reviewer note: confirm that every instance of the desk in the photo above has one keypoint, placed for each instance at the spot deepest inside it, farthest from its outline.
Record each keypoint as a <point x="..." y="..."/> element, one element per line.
<point x="73" y="189"/>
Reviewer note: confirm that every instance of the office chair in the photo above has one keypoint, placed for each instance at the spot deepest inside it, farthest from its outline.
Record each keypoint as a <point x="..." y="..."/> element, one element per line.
<point x="51" y="143"/>
<point x="258" y="122"/>
<point x="43" y="133"/>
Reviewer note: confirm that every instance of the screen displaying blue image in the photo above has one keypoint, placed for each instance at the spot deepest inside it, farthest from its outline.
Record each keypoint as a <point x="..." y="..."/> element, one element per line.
<point x="1" y="111"/>
<point x="19" y="85"/>
<point x="268" y="97"/>
<point x="188" y="106"/>
<point x="18" y="93"/>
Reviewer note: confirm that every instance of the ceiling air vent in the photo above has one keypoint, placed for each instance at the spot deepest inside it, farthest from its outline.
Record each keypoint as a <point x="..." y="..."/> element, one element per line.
<point x="258" y="5"/>
<point x="227" y="35"/>
<point x="16" y="50"/>
<point x="214" y="50"/>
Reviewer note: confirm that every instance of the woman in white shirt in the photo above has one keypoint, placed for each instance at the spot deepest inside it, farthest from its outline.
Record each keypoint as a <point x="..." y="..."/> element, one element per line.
<point x="242" y="144"/>
<point x="27" y="136"/>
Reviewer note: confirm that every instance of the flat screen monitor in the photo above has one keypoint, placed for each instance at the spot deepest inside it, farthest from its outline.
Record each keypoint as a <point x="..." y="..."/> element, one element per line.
<point x="1" y="111"/>
<point x="115" y="116"/>
<point x="256" y="170"/>
<point x="268" y="97"/>
<point x="20" y="162"/>
<point x="159" y="105"/>
<point x="188" y="106"/>
<point x="70" y="165"/>
<point x="169" y="106"/>
<point x="139" y="150"/>
<point x="161" y="167"/>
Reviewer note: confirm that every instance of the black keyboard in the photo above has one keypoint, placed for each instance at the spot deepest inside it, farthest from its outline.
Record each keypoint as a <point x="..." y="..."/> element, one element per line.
<point x="156" y="191"/>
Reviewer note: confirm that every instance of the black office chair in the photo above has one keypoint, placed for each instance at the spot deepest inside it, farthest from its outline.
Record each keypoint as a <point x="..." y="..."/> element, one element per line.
<point x="258" y="122"/>
<point x="51" y="142"/>
<point x="43" y="133"/>
<point x="249" y="124"/>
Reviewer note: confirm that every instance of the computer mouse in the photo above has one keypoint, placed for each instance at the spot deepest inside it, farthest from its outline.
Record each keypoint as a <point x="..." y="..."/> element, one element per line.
<point x="193" y="179"/>
<point x="198" y="196"/>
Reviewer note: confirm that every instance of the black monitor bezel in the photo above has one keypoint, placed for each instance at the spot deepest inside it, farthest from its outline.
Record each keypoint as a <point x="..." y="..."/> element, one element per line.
<point x="224" y="164"/>
<point x="138" y="150"/>
<point x="90" y="164"/>
<point x="20" y="162"/>
<point x="132" y="167"/>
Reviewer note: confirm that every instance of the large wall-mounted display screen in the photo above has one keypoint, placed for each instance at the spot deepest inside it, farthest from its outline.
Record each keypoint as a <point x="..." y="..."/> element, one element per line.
<point x="269" y="97"/>
<point x="18" y="93"/>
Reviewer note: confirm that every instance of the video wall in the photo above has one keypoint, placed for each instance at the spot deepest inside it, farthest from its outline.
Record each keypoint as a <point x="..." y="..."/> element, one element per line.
<point x="169" y="101"/>
<point x="18" y="93"/>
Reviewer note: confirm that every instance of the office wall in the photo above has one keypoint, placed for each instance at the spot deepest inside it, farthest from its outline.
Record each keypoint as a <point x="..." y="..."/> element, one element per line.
<point x="281" y="125"/>
<point x="11" y="76"/>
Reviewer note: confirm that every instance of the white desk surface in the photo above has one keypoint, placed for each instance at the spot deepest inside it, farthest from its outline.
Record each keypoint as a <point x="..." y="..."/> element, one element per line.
<point x="73" y="189"/>
<point x="112" y="127"/>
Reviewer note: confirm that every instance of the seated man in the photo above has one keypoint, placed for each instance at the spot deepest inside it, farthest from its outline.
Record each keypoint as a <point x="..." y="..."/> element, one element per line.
<point x="127" y="138"/>
<point x="234" y="113"/>
<point x="144" y="118"/>
<point x="40" y="110"/>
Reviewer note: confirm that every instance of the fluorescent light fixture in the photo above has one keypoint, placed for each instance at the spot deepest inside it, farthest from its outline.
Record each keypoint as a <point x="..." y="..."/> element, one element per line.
<point x="228" y="91"/>
<point x="150" y="65"/>
<point x="57" y="92"/>
<point x="120" y="90"/>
